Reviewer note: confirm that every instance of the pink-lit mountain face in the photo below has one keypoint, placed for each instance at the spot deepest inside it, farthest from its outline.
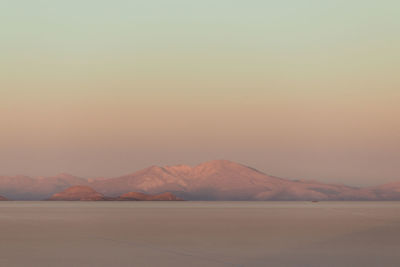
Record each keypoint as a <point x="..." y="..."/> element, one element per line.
<point x="213" y="180"/>
<point x="3" y="198"/>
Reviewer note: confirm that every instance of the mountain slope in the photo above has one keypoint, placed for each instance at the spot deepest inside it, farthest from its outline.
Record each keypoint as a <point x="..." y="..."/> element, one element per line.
<point x="389" y="191"/>
<point x="210" y="180"/>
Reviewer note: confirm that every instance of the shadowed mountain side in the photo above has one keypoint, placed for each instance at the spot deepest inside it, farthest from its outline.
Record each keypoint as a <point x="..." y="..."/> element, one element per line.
<point x="3" y="198"/>
<point x="389" y="191"/>
<point x="145" y="197"/>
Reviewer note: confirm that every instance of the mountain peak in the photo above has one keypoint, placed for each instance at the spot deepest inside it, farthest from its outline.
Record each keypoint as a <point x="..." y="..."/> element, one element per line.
<point x="152" y="170"/>
<point x="178" y="169"/>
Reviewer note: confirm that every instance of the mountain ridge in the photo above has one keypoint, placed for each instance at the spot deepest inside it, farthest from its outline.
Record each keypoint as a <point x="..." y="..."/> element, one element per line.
<point x="211" y="180"/>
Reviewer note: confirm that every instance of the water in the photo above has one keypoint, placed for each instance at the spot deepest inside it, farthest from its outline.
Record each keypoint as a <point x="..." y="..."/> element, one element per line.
<point x="199" y="234"/>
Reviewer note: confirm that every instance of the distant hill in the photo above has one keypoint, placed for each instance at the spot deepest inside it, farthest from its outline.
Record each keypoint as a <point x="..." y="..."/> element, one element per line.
<point x="78" y="193"/>
<point x="146" y="197"/>
<point x="86" y="193"/>
<point x="213" y="180"/>
<point x="3" y="198"/>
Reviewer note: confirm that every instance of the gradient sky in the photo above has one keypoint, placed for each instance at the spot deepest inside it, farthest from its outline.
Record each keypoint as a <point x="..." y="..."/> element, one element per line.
<point x="298" y="89"/>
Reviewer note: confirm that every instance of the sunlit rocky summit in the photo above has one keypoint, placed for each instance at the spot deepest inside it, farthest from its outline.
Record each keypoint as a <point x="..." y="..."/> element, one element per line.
<point x="213" y="180"/>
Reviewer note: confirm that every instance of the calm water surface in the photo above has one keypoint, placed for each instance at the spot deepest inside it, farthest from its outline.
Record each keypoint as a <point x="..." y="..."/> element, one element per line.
<point x="199" y="234"/>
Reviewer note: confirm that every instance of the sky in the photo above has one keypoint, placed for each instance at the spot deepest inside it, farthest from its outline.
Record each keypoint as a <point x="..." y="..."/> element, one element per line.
<point x="297" y="89"/>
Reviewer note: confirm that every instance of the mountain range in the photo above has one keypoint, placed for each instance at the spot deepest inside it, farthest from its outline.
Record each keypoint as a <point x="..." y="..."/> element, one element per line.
<point x="213" y="180"/>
